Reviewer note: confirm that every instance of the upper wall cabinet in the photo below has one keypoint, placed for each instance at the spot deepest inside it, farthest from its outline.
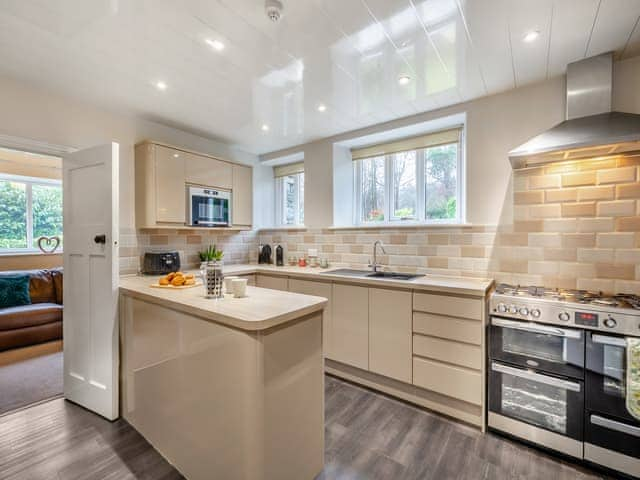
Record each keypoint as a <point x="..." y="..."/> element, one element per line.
<point x="162" y="173"/>
<point x="208" y="172"/>
<point x="242" y="199"/>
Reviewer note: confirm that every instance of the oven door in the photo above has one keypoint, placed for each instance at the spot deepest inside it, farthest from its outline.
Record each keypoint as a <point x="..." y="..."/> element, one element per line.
<point x="555" y="350"/>
<point x="606" y="377"/>
<point x="209" y="211"/>
<point x="550" y="403"/>
<point x="612" y="442"/>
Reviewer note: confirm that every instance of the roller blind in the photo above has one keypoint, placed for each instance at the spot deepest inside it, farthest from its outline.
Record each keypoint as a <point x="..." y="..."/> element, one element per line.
<point x="434" y="139"/>
<point x="290" y="169"/>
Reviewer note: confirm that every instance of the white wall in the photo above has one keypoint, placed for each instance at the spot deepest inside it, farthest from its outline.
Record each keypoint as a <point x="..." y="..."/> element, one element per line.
<point x="495" y="125"/>
<point x="44" y="116"/>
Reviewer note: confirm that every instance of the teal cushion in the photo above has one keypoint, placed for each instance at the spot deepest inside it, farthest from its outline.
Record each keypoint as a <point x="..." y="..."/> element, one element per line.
<point x="14" y="291"/>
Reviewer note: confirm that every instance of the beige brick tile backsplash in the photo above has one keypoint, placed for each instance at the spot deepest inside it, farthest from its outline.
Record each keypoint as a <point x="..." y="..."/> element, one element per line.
<point x="596" y="193"/>
<point x="574" y="179"/>
<point x="617" y="175"/>
<point x="562" y="195"/>
<point x="629" y="190"/>
<point x="529" y="197"/>
<point x="617" y="208"/>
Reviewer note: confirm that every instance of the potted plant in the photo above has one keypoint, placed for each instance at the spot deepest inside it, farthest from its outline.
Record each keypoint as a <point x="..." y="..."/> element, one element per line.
<point x="211" y="254"/>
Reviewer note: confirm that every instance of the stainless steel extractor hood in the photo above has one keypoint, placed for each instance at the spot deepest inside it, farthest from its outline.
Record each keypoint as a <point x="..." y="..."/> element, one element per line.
<point x="591" y="128"/>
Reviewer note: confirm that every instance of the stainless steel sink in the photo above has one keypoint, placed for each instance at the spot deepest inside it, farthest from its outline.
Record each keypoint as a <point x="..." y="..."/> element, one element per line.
<point x="364" y="273"/>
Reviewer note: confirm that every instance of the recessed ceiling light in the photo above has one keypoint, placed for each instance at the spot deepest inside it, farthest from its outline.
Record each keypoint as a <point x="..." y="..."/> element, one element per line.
<point x="265" y="127"/>
<point x="404" y="79"/>
<point x="176" y="155"/>
<point x="322" y="107"/>
<point x="215" y="44"/>
<point x="531" y="36"/>
<point x="160" y="85"/>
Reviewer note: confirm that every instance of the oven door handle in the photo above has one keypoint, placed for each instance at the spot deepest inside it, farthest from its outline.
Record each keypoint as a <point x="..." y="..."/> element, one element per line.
<point x="606" y="340"/>
<point x="613" y="425"/>
<point x="535" y="328"/>
<point x="536" y="377"/>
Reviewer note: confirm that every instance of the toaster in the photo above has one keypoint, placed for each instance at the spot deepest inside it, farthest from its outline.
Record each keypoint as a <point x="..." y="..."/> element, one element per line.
<point x="160" y="263"/>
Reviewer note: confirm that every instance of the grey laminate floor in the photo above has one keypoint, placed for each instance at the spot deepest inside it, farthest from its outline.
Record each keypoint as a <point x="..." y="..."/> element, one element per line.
<point x="368" y="436"/>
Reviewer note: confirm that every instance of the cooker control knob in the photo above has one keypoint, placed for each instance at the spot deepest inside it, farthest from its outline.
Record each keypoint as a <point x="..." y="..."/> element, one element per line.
<point x="610" y="322"/>
<point x="513" y="309"/>
<point x="535" y="313"/>
<point x="524" y="311"/>
<point x="502" y="308"/>
<point x="564" y="316"/>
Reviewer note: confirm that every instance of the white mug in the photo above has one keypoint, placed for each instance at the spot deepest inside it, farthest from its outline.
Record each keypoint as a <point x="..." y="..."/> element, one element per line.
<point x="228" y="287"/>
<point x="239" y="286"/>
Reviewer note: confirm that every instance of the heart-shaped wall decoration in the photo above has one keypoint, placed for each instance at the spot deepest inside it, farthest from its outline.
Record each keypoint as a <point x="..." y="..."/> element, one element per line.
<point x="48" y="244"/>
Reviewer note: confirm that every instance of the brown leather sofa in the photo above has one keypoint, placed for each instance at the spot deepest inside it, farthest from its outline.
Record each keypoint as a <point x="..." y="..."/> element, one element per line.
<point x="39" y="322"/>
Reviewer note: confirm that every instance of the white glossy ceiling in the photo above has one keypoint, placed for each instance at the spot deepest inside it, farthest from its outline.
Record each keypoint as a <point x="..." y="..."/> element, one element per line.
<point x="345" y="54"/>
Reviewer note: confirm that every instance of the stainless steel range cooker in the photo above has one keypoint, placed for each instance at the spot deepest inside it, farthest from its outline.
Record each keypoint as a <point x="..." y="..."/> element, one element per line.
<point x="558" y="372"/>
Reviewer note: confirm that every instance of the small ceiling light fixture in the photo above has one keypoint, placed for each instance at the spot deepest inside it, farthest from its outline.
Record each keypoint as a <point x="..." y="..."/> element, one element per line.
<point x="265" y="127"/>
<point x="160" y="85"/>
<point x="531" y="36"/>
<point x="273" y="9"/>
<point x="404" y="80"/>
<point x="322" y="107"/>
<point x="215" y="44"/>
<point x="176" y="155"/>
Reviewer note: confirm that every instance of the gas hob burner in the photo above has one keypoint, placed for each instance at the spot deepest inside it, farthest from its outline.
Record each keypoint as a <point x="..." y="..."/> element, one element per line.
<point x="583" y="297"/>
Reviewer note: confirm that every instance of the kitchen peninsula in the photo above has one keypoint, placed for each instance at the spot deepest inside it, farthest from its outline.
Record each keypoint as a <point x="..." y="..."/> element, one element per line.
<point x="229" y="388"/>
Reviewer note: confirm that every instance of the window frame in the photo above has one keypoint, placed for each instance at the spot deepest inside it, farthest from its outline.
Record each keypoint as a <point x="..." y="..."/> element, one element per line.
<point x="281" y="201"/>
<point x="420" y="219"/>
<point x="29" y="182"/>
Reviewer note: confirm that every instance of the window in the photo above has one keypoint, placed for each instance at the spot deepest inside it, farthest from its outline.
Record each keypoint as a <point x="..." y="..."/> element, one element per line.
<point x="289" y="194"/>
<point x="31" y="208"/>
<point x="417" y="180"/>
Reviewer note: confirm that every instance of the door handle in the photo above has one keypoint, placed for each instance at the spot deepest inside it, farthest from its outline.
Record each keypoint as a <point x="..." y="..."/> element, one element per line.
<point x="535" y="328"/>
<point x="100" y="239"/>
<point x="617" y="426"/>
<point x="536" y="377"/>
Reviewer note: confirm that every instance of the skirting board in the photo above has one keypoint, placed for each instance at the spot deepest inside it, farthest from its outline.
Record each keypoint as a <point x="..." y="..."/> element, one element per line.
<point x="451" y="407"/>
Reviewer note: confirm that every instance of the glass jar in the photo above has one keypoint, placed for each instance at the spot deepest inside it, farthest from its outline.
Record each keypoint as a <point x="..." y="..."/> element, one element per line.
<point x="213" y="279"/>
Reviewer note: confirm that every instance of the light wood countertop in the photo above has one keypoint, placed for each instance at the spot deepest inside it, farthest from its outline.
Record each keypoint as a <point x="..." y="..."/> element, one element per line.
<point x="259" y="310"/>
<point x="477" y="287"/>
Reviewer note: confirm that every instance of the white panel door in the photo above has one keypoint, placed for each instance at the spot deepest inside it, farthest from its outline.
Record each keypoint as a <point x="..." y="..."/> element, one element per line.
<point x="90" y="187"/>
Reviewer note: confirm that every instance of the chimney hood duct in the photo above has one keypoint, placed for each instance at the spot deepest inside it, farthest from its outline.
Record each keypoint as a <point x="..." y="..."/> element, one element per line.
<point x="591" y="128"/>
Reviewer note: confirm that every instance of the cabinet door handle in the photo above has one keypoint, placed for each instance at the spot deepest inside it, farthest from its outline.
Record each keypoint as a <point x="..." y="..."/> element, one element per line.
<point x="100" y="239"/>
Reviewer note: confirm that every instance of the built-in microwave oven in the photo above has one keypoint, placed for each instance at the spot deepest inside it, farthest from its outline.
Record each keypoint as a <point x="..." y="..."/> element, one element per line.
<point x="208" y="207"/>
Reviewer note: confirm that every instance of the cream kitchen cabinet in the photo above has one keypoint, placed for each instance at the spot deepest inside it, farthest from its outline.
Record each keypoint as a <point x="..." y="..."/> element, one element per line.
<point x="160" y="187"/>
<point x="161" y="175"/>
<point x="390" y="333"/>
<point x="318" y="289"/>
<point x="349" y="340"/>
<point x="272" y="281"/>
<point x="242" y="196"/>
<point x="208" y="172"/>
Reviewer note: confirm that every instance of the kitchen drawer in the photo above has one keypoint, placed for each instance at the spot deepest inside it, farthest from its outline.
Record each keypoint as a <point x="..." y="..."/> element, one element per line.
<point x="462" y="354"/>
<point x="455" y="382"/>
<point x="448" y="305"/>
<point x="273" y="282"/>
<point x="462" y="330"/>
